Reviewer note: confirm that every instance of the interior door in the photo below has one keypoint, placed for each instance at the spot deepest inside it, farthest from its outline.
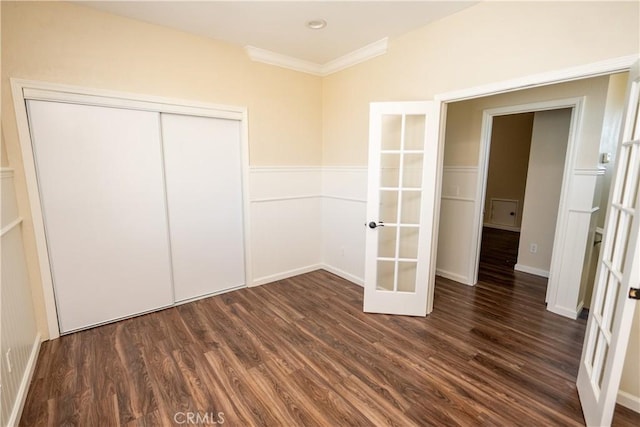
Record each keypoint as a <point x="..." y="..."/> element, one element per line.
<point x="401" y="204"/>
<point x="101" y="188"/>
<point x="611" y="313"/>
<point x="203" y="169"/>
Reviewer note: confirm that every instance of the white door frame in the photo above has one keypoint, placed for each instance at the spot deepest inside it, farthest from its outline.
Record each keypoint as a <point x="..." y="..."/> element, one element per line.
<point x="29" y="89"/>
<point x="576" y="104"/>
<point x="606" y="67"/>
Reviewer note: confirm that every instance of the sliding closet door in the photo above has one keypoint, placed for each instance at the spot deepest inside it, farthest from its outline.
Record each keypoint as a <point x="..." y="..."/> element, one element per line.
<point x="204" y="192"/>
<point x="101" y="187"/>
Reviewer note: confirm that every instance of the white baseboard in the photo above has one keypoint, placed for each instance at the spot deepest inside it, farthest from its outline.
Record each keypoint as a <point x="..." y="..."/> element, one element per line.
<point x="501" y="227"/>
<point x="347" y="276"/>
<point x="21" y="397"/>
<point x="453" y="276"/>
<point x="285" y="274"/>
<point x="563" y="311"/>
<point x="531" y="270"/>
<point x="629" y="401"/>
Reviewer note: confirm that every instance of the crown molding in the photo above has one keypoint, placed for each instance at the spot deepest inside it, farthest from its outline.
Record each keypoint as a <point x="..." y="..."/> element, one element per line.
<point x="279" y="60"/>
<point x="357" y="56"/>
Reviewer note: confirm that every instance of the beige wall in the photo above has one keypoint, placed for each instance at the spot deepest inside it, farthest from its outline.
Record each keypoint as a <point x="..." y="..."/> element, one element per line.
<point x="460" y="51"/>
<point x="544" y="181"/>
<point x="4" y="162"/>
<point x="508" y="161"/>
<point x="462" y="140"/>
<point x="70" y="44"/>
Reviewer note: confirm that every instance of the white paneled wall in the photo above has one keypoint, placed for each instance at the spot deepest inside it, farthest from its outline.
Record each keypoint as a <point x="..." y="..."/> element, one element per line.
<point x="306" y="218"/>
<point x="569" y="273"/>
<point x="286" y="221"/>
<point x="19" y="338"/>
<point x="456" y="258"/>
<point x="344" y="191"/>
<point x="295" y="210"/>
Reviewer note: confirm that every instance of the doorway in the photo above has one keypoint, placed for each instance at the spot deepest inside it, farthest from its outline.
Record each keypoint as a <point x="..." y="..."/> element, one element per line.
<point x="525" y="166"/>
<point x="467" y="132"/>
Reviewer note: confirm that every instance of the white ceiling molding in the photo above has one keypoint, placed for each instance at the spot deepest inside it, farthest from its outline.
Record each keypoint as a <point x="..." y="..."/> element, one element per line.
<point x="357" y="56"/>
<point x="350" y="59"/>
<point x="284" y="61"/>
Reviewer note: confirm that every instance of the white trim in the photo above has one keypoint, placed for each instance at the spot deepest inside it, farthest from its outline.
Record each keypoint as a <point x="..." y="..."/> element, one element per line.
<point x="576" y="104"/>
<point x="608" y="66"/>
<point x="287" y="169"/>
<point x="285" y="274"/>
<point x="501" y="227"/>
<point x="283" y="198"/>
<point x="350" y="59"/>
<point x="585" y="211"/>
<point x="30" y="89"/>
<point x="458" y="198"/>
<point x="564" y="311"/>
<point x="284" y="61"/>
<point x="356" y="57"/>
<point x="345" y="168"/>
<point x="629" y="401"/>
<point x="589" y="171"/>
<point x="46" y="91"/>
<point x="341" y="273"/>
<point x="6" y="173"/>
<point x="24" y="136"/>
<point x="531" y="270"/>
<point x="464" y="169"/>
<point x="348" y="199"/>
<point x="246" y="194"/>
<point x="453" y="276"/>
<point x="21" y="397"/>
<point x="13" y="224"/>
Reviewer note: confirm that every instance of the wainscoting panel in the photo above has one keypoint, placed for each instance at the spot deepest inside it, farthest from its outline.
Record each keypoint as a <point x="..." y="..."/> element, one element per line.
<point x="458" y="223"/>
<point x="569" y="266"/>
<point x="18" y="335"/>
<point x="344" y="191"/>
<point x="286" y="221"/>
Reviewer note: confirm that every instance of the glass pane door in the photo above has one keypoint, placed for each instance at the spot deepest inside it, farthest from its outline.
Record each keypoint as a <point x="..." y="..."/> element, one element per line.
<point x="397" y="250"/>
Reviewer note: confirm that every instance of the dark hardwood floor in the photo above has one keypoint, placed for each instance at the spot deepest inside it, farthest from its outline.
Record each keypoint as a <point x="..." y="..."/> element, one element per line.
<point x="300" y="352"/>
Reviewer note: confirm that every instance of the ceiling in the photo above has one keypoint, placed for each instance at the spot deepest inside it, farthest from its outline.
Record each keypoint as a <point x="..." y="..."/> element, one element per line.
<point x="279" y="26"/>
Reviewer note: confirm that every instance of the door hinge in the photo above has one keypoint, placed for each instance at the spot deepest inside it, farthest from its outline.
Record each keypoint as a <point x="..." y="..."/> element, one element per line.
<point x="634" y="293"/>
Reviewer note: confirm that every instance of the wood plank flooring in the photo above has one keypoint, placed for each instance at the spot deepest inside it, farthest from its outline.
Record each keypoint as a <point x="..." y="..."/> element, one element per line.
<point x="300" y="352"/>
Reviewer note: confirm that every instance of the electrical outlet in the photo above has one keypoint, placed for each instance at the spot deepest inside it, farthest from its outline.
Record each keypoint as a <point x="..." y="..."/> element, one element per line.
<point x="8" y="357"/>
<point x="342" y="252"/>
<point x="533" y="248"/>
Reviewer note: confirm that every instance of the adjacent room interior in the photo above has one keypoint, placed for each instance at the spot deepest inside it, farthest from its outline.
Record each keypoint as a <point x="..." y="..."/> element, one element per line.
<point x="188" y="220"/>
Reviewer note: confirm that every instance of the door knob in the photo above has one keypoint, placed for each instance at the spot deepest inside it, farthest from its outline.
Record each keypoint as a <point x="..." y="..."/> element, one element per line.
<point x="373" y="224"/>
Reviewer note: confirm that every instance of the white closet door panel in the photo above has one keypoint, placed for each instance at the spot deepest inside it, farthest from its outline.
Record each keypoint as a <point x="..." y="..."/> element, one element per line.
<point x="204" y="192"/>
<point x="102" y="193"/>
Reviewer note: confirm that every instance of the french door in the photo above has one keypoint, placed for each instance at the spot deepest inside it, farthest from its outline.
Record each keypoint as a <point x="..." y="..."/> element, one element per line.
<point x="611" y="313"/>
<point x="401" y="204"/>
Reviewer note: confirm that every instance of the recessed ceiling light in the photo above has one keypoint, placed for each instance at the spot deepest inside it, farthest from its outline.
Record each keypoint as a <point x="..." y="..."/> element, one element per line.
<point x="317" y="24"/>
